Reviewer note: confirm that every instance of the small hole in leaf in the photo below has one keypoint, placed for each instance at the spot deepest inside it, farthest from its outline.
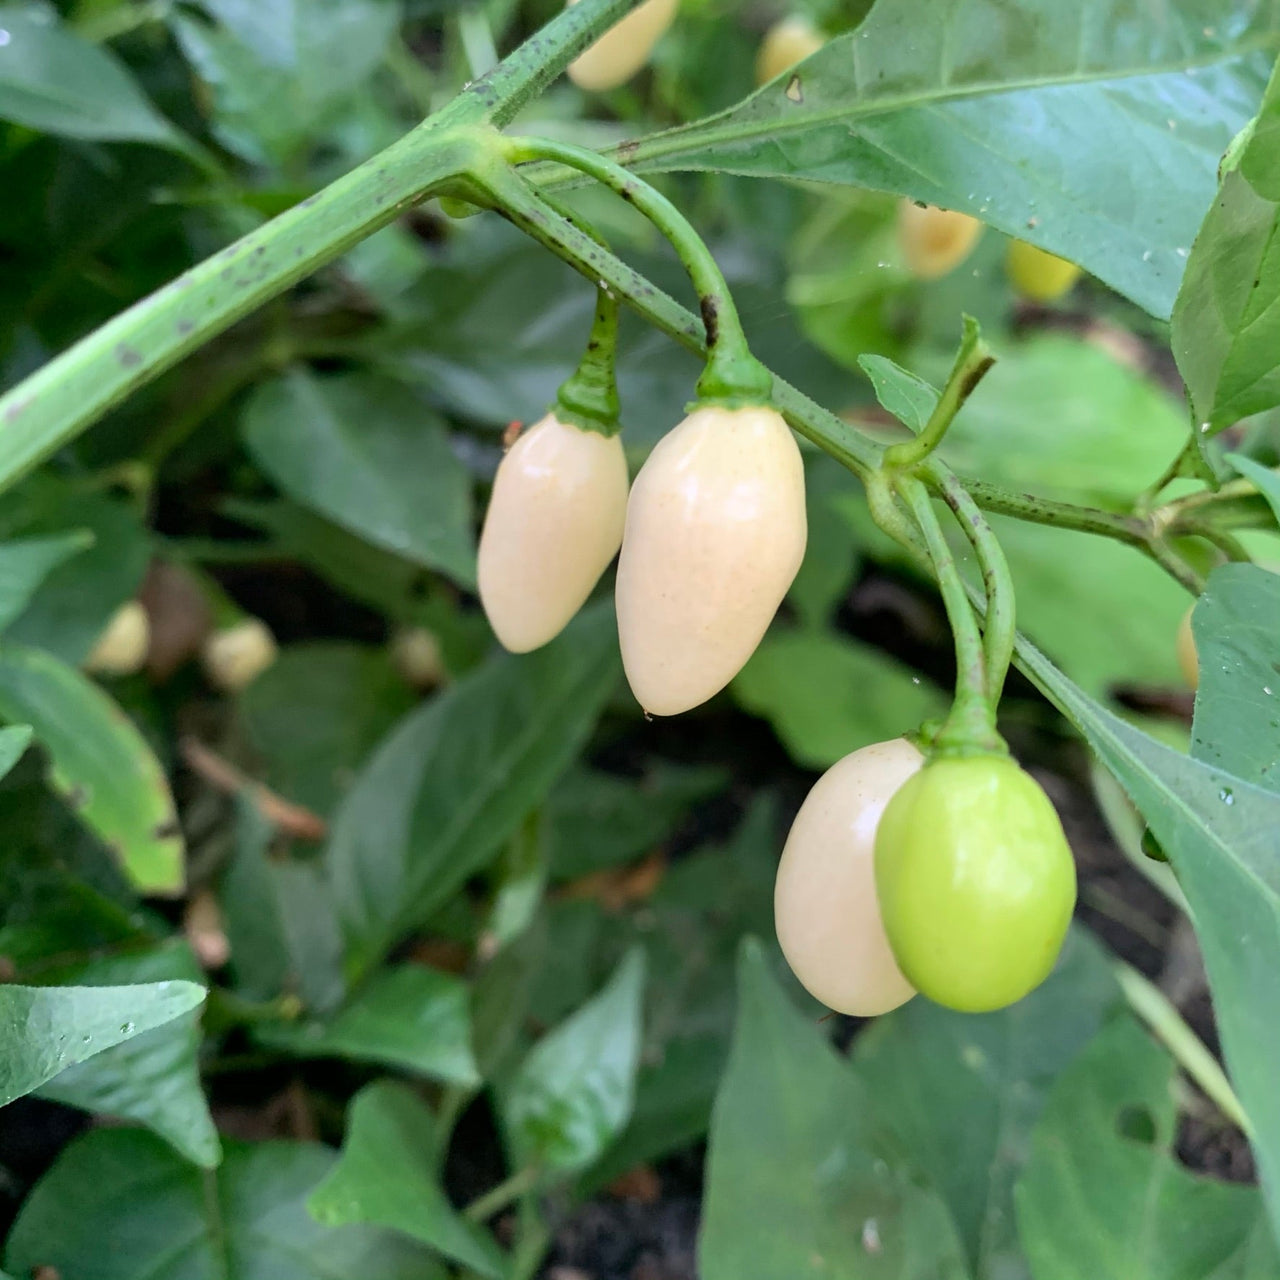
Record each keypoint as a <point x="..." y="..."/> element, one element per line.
<point x="1137" y="1124"/>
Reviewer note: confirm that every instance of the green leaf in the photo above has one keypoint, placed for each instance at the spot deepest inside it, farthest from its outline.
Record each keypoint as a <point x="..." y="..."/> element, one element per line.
<point x="1267" y="480"/>
<point x="280" y="918"/>
<point x="1237" y="630"/>
<point x="281" y="72"/>
<point x="153" y="1078"/>
<point x="54" y="81"/>
<point x="826" y="695"/>
<point x="1226" y="323"/>
<point x="1099" y="409"/>
<point x="1103" y="1196"/>
<point x="997" y="110"/>
<point x="74" y="603"/>
<point x="167" y="1220"/>
<point x="457" y="777"/>
<point x="800" y="1179"/>
<point x="910" y="399"/>
<point x="1219" y="833"/>
<point x="13" y="744"/>
<point x="367" y="453"/>
<point x="831" y="553"/>
<point x="100" y="764"/>
<point x="597" y="820"/>
<point x="316" y="714"/>
<point x="46" y="1030"/>
<point x="25" y="564"/>
<point x="387" y="1176"/>
<point x="574" y="1091"/>
<point x="963" y="1092"/>
<point x="407" y="1016"/>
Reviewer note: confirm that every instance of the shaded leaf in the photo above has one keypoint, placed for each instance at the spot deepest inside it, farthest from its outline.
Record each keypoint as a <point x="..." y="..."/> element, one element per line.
<point x="963" y="1092"/>
<point x="54" y="81"/>
<point x="100" y="764"/>
<point x="457" y="777"/>
<point x="167" y="1220"/>
<point x="25" y="564"/>
<point x="910" y="399"/>
<point x="826" y="695"/>
<point x="407" y="1016"/>
<point x="152" y="1078"/>
<point x="368" y="454"/>
<point x="574" y="1091"/>
<point x="387" y="1176"/>
<point x="46" y="1030"/>
<point x="1226" y="323"/>
<point x="1267" y="479"/>
<point x="1103" y="1196"/>
<point x="800" y="1180"/>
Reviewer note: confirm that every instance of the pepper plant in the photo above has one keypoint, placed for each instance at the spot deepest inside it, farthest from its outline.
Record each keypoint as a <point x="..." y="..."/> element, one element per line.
<point x="395" y="891"/>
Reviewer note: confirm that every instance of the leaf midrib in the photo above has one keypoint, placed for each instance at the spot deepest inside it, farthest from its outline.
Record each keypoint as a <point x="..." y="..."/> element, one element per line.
<point x="706" y="135"/>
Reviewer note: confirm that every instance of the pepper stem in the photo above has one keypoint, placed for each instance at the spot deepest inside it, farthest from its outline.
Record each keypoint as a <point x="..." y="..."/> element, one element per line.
<point x="589" y="398"/>
<point x="733" y="376"/>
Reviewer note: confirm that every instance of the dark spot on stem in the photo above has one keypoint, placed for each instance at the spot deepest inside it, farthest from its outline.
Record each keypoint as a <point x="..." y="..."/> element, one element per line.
<point x="127" y="356"/>
<point x="185" y="327"/>
<point x="710" y="317"/>
<point x="78" y="797"/>
<point x="627" y="151"/>
<point x="975" y="376"/>
<point x="167" y="829"/>
<point x="14" y="411"/>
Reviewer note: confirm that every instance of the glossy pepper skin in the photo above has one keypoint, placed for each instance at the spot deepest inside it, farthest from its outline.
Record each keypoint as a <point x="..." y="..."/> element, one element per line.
<point x="621" y="52"/>
<point x="716" y="531"/>
<point x="976" y="882"/>
<point x="554" y="522"/>
<point x="935" y="242"/>
<point x="825" y="907"/>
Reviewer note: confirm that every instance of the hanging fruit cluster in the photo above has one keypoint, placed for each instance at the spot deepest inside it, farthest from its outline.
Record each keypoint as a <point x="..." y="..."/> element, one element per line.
<point x="931" y="865"/>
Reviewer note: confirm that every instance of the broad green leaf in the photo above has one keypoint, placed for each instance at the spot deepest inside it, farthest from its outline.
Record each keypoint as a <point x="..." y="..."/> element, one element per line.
<point x="801" y="1180"/>
<point x="280" y="919"/>
<point x="13" y="743"/>
<point x="1103" y="1196"/>
<point x="119" y="1205"/>
<point x="387" y="1176"/>
<point x="1107" y="615"/>
<point x="997" y="110"/>
<point x="1237" y="630"/>
<point x="597" y="820"/>
<point x="407" y="1016"/>
<point x="1058" y="417"/>
<point x="1226" y="323"/>
<point x="1219" y="833"/>
<point x="46" y="1030"/>
<point x="574" y="1091"/>
<point x="963" y="1092"/>
<point x="99" y="763"/>
<point x="368" y="454"/>
<point x="25" y="564"/>
<point x="54" y="81"/>
<point x="281" y="72"/>
<point x="74" y="603"/>
<point x="152" y="1078"/>
<point x="910" y="399"/>
<point x="457" y="777"/>
<point x="316" y="714"/>
<point x="826" y="695"/>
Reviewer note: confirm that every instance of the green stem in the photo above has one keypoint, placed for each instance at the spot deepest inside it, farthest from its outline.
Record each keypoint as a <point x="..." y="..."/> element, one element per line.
<point x="733" y="375"/>
<point x="76" y="388"/>
<point x="972" y="362"/>
<point x="970" y="729"/>
<point x="1163" y="1018"/>
<point x="517" y="1186"/>
<point x="1000" y="627"/>
<point x="589" y="398"/>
